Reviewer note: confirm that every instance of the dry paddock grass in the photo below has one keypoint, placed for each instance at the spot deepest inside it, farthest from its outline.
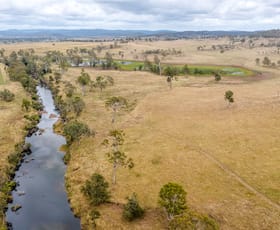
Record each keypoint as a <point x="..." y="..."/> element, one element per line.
<point x="227" y="159"/>
<point x="186" y="135"/>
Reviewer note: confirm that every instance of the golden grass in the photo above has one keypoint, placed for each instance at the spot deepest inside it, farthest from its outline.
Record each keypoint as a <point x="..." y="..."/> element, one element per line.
<point x="186" y="135"/>
<point x="170" y="133"/>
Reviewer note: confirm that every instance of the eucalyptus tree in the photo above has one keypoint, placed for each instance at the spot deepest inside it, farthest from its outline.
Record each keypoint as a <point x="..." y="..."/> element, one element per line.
<point x="102" y="82"/>
<point x="170" y="73"/>
<point x="172" y="197"/>
<point x="92" y="57"/>
<point x="84" y="80"/>
<point x="116" y="104"/>
<point x="116" y="156"/>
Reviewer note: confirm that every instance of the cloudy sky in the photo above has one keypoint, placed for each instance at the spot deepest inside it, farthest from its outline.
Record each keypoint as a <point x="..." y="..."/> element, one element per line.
<point x="141" y="14"/>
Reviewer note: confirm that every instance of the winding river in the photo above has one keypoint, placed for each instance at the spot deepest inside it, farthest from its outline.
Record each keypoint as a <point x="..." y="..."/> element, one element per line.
<point x="40" y="191"/>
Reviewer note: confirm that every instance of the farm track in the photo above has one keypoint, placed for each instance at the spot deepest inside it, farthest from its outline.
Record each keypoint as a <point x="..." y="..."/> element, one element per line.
<point x="237" y="177"/>
<point x="229" y="172"/>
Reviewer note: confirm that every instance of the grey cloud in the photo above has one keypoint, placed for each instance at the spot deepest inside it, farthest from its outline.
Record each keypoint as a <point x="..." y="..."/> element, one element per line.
<point x="149" y="14"/>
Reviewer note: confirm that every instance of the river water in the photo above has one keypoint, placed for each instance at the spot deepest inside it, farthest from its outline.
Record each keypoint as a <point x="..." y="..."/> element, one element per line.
<point x="41" y="191"/>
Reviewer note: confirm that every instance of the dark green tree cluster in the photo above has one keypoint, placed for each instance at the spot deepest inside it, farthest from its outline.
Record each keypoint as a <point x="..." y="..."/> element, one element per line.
<point x="132" y="210"/>
<point x="96" y="190"/>
<point x="74" y="130"/>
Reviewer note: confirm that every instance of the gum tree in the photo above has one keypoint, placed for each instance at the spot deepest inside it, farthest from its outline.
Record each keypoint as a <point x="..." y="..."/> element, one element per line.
<point x="116" y="104"/>
<point x="116" y="156"/>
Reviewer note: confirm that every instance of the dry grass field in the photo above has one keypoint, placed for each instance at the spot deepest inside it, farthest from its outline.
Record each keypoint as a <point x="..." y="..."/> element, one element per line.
<point x="226" y="157"/>
<point x="11" y="122"/>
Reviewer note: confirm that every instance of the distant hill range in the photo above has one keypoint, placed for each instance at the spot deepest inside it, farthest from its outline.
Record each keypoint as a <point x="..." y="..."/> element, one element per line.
<point x="109" y="34"/>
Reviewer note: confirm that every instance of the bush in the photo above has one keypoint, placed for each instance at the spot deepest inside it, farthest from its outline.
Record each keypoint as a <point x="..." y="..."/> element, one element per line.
<point x="74" y="130"/>
<point x="132" y="209"/>
<point x="172" y="197"/>
<point x="192" y="221"/>
<point x="96" y="189"/>
<point x="7" y="95"/>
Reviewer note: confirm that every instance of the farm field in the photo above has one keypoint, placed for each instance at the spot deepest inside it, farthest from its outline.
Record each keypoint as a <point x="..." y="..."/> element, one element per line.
<point x="225" y="156"/>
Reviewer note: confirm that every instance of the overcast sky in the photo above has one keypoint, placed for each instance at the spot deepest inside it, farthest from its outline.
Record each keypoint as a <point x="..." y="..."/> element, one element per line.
<point x="141" y="14"/>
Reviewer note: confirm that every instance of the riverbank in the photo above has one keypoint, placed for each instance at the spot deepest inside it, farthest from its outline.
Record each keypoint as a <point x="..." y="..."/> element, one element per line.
<point x="41" y="176"/>
<point x="12" y="125"/>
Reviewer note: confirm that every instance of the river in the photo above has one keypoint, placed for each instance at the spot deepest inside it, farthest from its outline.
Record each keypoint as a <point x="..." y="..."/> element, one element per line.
<point x="41" y="191"/>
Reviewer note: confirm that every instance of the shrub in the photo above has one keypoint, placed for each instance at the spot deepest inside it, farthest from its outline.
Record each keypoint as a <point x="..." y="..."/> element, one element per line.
<point x="217" y="77"/>
<point x="7" y="95"/>
<point x="132" y="209"/>
<point x="74" y="130"/>
<point x="96" y="189"/>
<point x="172" y="197"/>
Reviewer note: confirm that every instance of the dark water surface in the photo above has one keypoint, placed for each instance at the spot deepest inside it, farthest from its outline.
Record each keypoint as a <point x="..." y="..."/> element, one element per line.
<point x="41" y="180"/>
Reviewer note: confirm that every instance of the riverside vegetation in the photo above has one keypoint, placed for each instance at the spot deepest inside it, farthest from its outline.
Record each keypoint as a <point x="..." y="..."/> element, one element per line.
<point x="181" y="137"/>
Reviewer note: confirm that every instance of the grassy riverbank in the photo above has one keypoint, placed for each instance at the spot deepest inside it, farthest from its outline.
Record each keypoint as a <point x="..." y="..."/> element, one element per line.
<point x="12" y="132"/>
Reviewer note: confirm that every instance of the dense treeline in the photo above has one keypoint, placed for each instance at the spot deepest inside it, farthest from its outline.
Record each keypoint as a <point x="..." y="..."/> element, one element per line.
<point x="25" y="68"/>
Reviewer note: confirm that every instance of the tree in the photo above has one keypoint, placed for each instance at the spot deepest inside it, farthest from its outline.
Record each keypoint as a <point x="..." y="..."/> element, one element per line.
<point x="172" y="197"/>
<point x="185" y="69"/>
<point x="96" y="189"/>
<point x="157" y="62"/>
<point x="7" y="95"/>
<point x="92" y="57"/>
<point x="266" y="61"/>
<point x="76" y="104"/>
<point x="170" y="72"/>
<point x="102" y="82"/>
<point x="132" y="209"/>
<point x="217" y="77"/>
<point x="69" y="89"/>
<point x="229" y="97"/>
<point x="117" y="157"/>
<point x="116" y="103"/>
<point x="74" y="130"/>
<point x="84" y="80"/>
<point x="109" y="60"/>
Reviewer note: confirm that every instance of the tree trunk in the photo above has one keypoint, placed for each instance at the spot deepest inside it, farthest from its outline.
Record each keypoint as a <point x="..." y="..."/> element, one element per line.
<point x="114" y="115"/>
<point x="114" y="176"/>
<point x="83" y="89"/>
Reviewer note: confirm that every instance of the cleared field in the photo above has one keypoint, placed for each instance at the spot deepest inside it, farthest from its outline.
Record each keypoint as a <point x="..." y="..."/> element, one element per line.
<point x="226" y="158"/>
